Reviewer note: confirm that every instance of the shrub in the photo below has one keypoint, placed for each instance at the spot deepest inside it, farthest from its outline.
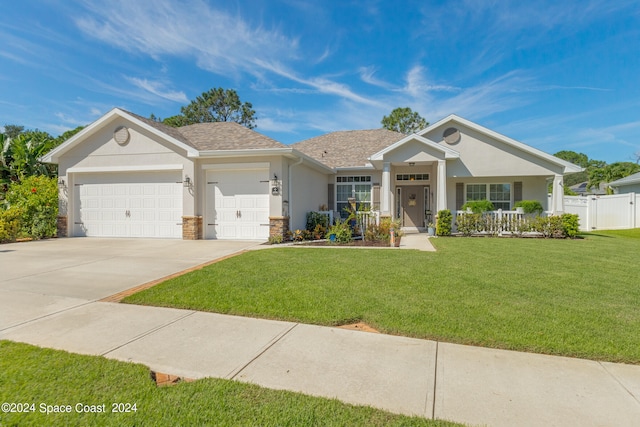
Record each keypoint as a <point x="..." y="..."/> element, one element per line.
<point x="468" y="223"/>
<point x="300" y="235"/>
<point x="443" y="223"/>
<point x="570" y="225"/>
<point x="37" y="197"/>
<point x="479" y="206"/>
<point x="276" y="240"/>
<point x="342" y="231"/>
<point x="549" y="226"/>
<point x="316" y="218"/>
<point x="10" y="224"/>
<point x="530" y="206"/>
<point x="319" y="232"/>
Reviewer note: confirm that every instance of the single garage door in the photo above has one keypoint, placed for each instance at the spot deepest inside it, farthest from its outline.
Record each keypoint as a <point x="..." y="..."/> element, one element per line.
<point x="237" y="204"/>
<point x="141" y="204"/>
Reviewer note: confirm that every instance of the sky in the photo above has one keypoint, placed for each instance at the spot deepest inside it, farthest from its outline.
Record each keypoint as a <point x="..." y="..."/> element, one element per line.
<point x="556" y="75"/>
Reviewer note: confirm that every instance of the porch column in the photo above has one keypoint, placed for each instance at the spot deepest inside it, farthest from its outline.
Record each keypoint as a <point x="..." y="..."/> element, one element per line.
<point x="557" y="195"/>
<point x="386" y="188"/>
<point x="441" y="193"/>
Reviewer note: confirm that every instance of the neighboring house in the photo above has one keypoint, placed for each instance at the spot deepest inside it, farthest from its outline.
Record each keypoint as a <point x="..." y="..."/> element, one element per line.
<point x="629" y="184"/>
<point x="127" y="176"/>
<point x="582" y="189"/>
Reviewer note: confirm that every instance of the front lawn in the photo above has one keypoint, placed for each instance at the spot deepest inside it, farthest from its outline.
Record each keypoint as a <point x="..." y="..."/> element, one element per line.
<point x="38" y="380"/>
<point x="567" y="297"/>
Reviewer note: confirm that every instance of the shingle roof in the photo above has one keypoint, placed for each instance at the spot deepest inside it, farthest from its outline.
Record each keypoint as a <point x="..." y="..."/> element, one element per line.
<point x="226" y="136"/>
<point x="171" y="131"/>
<point x="347" y="148"/>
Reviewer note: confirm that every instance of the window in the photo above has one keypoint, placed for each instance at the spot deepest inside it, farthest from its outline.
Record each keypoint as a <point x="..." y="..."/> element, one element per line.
<point x="412" y="177"/>
<point x="498" y="194"/>
<point x="356" y="187"/>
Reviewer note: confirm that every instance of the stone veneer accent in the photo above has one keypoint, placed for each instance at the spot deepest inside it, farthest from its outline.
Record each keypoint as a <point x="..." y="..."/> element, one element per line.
<point x="278" y="225"/>
<point x="191" y="227"/>
<point x="62" y="226"/>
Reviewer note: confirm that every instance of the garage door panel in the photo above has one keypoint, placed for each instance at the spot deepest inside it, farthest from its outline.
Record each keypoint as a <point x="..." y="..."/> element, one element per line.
<point x="237" y="204"/>
<point x="130" y="208"/>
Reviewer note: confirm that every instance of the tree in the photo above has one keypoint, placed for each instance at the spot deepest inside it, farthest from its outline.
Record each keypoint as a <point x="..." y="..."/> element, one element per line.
<point x="579" y="159"/>
<point x="216" y="105"/>
<point x="611" y="172"/>
<point x="404" y="120"/>
<point x="19" y="156"/>
<point x="66" y="135"/>
<point x="11" y="131"/>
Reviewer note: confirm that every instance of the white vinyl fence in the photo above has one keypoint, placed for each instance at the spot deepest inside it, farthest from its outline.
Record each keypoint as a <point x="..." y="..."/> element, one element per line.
<point x="618" y="211"/>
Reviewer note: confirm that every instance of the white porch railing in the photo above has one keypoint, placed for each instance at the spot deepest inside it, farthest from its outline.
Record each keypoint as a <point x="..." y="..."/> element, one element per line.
<point x="492" y="222"/>
<point x="367" y="218"/>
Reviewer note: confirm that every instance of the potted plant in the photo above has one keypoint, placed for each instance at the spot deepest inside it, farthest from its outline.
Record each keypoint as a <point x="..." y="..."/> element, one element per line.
<point x="431" y="229"/>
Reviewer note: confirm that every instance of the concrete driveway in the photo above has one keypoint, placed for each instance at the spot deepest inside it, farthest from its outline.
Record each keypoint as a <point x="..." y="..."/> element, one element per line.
<point x="44" y="277"/>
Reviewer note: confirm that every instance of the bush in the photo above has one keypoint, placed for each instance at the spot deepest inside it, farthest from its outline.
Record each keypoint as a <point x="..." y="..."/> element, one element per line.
<point x="530" y="206"/>
<point x="37" y="197"/>
<point x="443" y="222"/>
<point x="479" y="206"/>
<point x="342" y="231"/>
<point x="276" y="240"/>
<point x="468" y="223"/>
<point x="550" y="226"/>
<point x="10" y="224"/>
<point x="570" y="225"/>
<point x="316" y="218"/>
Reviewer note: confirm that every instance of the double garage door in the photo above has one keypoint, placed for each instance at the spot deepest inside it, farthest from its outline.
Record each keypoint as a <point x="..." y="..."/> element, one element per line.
<point x="140" y="204"/>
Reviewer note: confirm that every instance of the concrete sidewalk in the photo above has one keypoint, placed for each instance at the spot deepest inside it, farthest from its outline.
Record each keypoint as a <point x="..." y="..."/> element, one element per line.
<point x="477" y="386"/>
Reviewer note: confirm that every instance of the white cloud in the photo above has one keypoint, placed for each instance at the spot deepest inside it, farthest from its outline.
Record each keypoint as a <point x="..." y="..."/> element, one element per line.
<point x="219" y="41"/>
<point x="157" y="88"/>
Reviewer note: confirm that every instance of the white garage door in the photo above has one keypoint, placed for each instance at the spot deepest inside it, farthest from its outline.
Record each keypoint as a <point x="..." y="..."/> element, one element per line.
<point x="142" y="204"/>
<point x="237" y="204"/>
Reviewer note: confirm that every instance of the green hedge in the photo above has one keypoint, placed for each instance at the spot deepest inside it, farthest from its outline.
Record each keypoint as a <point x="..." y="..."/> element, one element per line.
<point x="35" y="198"/>
<point x="443" y="223"/>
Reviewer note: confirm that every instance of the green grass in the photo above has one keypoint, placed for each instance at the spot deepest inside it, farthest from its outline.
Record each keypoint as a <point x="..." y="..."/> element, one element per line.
<point x="51" y="377"/>
<point x="577" y="298"/>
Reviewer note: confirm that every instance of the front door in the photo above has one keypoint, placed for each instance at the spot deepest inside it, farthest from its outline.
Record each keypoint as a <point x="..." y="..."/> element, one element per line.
<point x="412" y="206"/>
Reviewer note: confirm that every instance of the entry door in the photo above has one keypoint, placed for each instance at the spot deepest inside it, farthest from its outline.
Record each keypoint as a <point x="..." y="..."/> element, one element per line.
<point x="237" y="204"/>
<point x="412" y="206"/>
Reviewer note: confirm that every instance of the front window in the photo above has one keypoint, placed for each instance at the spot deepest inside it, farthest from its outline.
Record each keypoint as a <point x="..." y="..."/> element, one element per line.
<point x="353" y="187"/>
<point x="498" y="194"/>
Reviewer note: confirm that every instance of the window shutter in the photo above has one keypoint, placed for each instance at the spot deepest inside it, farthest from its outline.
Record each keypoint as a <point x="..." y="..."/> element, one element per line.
<point x="517" y="191"/>
<point x="459" y="195"/>
<point x="332" y="197"/>
<point x="375" y="197"/>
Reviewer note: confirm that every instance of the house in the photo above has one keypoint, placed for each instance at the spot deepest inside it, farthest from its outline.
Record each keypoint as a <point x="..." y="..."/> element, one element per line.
<point x="628" y="184"/>
<point x="127" y="176"/>
<point x="441" y="167"/>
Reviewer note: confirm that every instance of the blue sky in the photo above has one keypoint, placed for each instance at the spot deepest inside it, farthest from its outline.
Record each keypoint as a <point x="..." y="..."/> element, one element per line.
<point x="557" y="75"/>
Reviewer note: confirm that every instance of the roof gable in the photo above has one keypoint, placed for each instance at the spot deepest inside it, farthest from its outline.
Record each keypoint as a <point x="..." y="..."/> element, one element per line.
<point x="170" y="135"/>
<point x="517" y="145"/>
<point x="447" y="152"/>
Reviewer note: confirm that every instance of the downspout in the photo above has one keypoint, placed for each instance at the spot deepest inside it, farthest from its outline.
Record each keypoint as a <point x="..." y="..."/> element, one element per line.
<point x="289" y="187"/>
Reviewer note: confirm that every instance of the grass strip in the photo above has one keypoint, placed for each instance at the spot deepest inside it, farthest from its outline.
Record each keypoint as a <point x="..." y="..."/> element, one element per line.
<point x="46" y="377"/>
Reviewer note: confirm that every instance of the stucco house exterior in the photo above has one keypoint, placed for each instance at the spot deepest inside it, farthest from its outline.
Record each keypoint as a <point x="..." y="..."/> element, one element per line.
<point x="628" y="184"/>
<point x="128" y="176"/>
